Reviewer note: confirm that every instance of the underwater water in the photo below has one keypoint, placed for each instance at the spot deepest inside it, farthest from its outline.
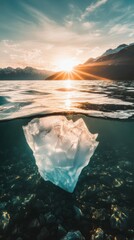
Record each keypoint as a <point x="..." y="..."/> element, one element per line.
<point x="101" y="206"/>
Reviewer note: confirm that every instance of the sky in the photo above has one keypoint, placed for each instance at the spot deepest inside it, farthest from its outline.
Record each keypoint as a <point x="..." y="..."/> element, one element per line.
<point x="43" y="33"/>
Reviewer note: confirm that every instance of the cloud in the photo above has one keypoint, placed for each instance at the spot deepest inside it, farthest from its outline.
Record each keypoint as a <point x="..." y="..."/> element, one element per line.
<point x="119" y="29"/>
<point x="42" y="41"/>
<point x="39" y="43"/>
<point x="88" y="25"/>
<point x="93" y="7"/>
<point x="20" y="55"/>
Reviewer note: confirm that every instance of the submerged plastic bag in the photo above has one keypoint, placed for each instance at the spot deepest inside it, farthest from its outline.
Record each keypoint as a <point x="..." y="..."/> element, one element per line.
<point x="61" y="147"/>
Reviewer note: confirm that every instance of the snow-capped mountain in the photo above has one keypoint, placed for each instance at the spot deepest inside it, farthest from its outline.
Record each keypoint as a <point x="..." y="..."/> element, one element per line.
<point x="115" y="50"/>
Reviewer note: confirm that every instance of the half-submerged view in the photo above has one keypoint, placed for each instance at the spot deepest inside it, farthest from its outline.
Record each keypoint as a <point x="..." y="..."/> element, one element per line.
<point x="66" y="120"/>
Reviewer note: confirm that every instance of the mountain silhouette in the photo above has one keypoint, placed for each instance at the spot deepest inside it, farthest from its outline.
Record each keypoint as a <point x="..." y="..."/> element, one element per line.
<point x="114" y="64"/>
<point x="27" y="73"/>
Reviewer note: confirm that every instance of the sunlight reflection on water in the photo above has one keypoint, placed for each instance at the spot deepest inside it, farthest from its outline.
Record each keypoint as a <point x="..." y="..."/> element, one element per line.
<point x="68" y="101"/>
<point x="68" y="83"/>
<point x="94" y="98"/>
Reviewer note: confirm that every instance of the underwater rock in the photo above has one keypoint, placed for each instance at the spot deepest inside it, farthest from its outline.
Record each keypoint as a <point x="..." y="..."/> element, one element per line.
<point x="44" y="234"/>
<point x="98" y="235"/>
<point x="61" y="147"/>
<point x="38" y="206"/>
<point x="42" y="219"/>
<point x="34" y="224"/>
<point x="4" y="220"/>
<point x="99" y="214"/>
<point x="78" y="213"/>
<point x="61" y="231"/>
<point x="118" y="219"/>
<point x="108" y="237"/>
<point x="50" y="218"/>
<point x="74" y="236"/>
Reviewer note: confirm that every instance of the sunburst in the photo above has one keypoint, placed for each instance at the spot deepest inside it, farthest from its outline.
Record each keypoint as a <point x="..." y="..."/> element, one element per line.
<point x="67" y="65"/>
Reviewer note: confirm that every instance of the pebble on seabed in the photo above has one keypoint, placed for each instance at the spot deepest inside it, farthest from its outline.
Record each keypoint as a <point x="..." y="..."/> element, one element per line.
<point x="44" y="234"/>
<point x="76" y="235"/>
<point x="4" y="220"/>
<point x="98" y="235"/>
<point x="118" y="219"/>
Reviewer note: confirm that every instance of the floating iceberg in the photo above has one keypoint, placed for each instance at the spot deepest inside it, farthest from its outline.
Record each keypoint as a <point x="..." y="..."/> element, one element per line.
<point x="61" y="147"/>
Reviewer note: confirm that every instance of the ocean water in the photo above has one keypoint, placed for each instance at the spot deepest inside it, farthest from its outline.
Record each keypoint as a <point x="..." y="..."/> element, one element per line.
<point x="101" y="207"/>
<point x="106" y="99"/>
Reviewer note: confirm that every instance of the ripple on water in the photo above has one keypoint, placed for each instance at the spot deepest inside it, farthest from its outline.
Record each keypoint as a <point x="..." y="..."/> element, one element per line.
<point x="105" y="99"/>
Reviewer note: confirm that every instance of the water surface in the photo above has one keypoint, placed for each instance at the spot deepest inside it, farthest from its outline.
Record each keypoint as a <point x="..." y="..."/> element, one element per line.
<point x="109" y="99"/>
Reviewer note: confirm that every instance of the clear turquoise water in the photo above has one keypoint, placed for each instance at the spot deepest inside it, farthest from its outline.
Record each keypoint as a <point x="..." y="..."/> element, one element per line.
<point x="102" y="202"/>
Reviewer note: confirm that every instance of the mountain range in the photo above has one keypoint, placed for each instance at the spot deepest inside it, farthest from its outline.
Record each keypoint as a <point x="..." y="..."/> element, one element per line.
<point x="114" y="64"/>
<point x="27" y="73"/>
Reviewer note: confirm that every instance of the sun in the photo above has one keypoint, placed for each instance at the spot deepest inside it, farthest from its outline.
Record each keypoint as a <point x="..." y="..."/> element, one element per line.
<point x="66" y="65"/>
